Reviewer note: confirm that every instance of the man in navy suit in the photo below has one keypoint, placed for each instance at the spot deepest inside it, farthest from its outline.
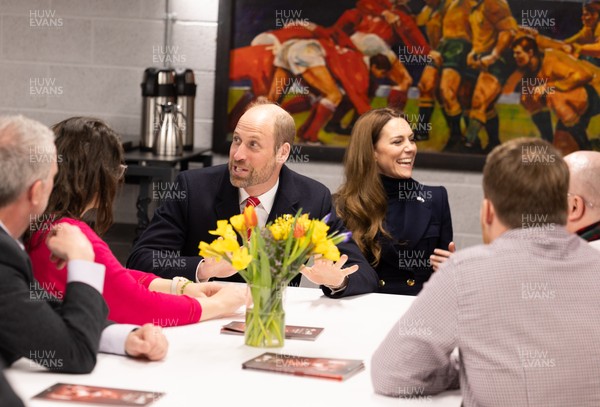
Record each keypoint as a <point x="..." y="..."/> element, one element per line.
<point x="261" y="144"/>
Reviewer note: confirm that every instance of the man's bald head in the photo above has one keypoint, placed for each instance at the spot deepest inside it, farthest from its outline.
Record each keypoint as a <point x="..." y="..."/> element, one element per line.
<point x="584" y="182"/>
<point x="284" y="128"/>
<point x="584" y="167"/>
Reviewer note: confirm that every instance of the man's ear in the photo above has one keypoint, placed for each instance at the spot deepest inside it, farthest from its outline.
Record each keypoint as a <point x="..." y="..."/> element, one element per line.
<point x="576" y="208"/>
<point x="283" y="152"/>
<point x="35" y="193"/>
<point x="488" y="213"/>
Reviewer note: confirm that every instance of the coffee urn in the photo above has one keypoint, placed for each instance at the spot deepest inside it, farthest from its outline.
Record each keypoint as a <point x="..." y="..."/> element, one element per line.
<point x="158" y="89"/>
<point x="168" y="139"/>
<point x="186" y="93"/>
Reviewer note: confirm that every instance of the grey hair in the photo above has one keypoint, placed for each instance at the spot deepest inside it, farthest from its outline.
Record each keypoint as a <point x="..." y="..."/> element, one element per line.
<point x="27" y="152"/>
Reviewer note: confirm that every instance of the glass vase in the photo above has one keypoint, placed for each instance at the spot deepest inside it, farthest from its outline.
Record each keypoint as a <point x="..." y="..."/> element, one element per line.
<point x="265" y="319"/>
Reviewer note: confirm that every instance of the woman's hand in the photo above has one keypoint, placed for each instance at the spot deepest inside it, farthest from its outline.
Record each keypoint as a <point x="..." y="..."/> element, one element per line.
<point x="439" y="256"/>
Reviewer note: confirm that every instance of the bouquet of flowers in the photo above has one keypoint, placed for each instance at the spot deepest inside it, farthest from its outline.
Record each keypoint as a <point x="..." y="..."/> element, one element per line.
<point x="268" y="260"/>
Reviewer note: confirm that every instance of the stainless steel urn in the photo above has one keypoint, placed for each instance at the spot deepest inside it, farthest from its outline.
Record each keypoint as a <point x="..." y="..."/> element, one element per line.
<point x="186" y="93"/>
<point x="158" y="89"/>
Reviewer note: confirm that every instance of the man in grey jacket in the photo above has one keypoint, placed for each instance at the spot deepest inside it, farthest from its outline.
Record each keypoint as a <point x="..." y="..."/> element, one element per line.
<point x="522" y="309"/>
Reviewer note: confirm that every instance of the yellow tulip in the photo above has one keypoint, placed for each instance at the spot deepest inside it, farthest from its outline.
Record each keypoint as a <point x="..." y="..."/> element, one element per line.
<point x="299" y="230"/>
<point x="250" y="217"/>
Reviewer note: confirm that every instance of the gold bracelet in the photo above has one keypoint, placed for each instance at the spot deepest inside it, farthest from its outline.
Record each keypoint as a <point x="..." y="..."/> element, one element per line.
<point x="183" y="286"/>
<point x="174" y="282"/>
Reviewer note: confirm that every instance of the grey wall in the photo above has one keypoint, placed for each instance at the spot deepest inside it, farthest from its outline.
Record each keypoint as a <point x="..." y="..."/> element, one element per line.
<point x="61" y="58"/>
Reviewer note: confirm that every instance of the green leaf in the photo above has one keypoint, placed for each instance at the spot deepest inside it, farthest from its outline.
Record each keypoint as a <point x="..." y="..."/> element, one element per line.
<point x="265" y="272"/>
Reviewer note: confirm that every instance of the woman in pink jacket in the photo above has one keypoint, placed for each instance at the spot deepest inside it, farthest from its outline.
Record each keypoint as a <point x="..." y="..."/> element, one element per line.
<point x="90" y="170"/>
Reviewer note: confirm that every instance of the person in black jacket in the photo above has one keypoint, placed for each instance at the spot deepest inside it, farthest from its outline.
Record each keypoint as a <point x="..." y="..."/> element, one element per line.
<point x="261" y="144"/>
<point x="396" y="221"/>
<point x="61" y="334"/>
<point x="8" y="398"/>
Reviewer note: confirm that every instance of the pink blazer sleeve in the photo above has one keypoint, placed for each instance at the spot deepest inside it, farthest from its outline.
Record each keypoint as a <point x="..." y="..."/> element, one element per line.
<point x="125" y="291"/>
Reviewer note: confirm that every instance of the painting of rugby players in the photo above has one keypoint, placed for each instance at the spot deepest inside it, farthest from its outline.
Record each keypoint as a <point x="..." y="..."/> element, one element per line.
<point x="469" y="74"/>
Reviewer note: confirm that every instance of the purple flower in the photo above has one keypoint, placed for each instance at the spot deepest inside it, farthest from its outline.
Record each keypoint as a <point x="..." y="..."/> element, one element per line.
<point x="341" y="237"/>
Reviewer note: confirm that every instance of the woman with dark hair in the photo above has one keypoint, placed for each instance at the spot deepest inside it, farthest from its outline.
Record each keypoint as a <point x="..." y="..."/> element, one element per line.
<point x="396" y="221"/>
<point x="90" y="169"/>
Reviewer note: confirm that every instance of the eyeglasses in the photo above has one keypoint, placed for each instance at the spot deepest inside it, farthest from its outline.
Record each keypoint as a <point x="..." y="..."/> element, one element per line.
<point x="585" y="202"/>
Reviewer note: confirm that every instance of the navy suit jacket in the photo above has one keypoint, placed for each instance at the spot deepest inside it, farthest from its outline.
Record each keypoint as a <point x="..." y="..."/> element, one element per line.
<point x="60" y="335"/>
<point x="169" y="246"/>
<point x="424" y="225"/>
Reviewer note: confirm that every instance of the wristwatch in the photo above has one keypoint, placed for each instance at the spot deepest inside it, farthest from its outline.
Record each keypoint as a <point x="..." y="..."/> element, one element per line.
<point x="339" y="288"/>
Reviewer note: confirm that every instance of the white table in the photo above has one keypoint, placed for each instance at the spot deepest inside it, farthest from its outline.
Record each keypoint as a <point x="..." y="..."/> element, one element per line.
<point x="204" y="367"/>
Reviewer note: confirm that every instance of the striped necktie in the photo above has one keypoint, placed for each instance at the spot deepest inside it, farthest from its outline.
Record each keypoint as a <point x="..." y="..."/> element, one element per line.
<point x="251" y="201"/>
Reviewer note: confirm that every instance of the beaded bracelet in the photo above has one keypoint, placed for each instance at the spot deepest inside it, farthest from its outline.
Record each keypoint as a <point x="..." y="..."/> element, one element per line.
<point x="184" y="285"/>
<point x="174" y="283"/>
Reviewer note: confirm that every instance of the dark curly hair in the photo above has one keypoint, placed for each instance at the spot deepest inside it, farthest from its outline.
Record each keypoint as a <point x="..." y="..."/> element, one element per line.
<point x="90" y="157"/>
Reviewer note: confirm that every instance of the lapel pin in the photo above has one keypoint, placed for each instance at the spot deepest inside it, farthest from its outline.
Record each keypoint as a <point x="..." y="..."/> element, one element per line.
<point x="420" y="198"/>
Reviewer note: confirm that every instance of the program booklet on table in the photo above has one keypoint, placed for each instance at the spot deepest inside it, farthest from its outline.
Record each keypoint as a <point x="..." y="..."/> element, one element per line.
<point x="326" y="368"/>
<point x="306" y="333"/>
<point x="83" y="394"/>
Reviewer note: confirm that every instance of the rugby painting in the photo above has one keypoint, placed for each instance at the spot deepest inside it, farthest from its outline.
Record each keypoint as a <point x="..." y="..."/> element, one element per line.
<point x="469" y="74"/>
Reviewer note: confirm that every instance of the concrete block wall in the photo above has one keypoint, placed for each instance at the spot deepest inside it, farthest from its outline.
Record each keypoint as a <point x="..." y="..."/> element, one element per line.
<point x="61" y="58"/>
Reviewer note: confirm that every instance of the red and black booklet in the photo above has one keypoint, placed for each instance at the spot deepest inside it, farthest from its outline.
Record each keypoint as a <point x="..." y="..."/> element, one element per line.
<point x="306" y="333"/>
<point x="79" y="393"/>
<point x="326" y="368"/>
